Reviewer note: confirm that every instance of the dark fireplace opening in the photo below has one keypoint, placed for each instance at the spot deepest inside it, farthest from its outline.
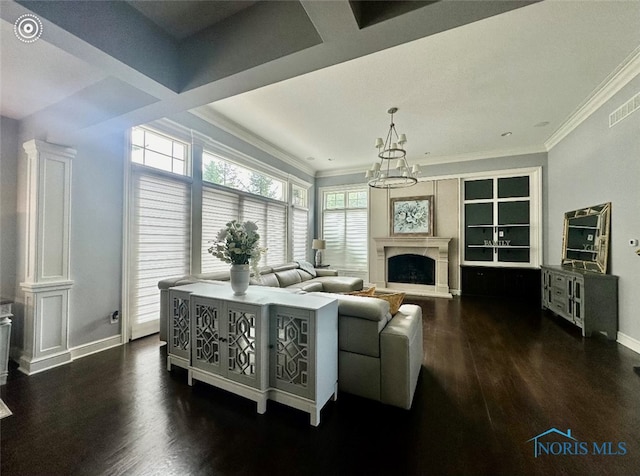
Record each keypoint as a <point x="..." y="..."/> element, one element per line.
<point x="411" y="269"/>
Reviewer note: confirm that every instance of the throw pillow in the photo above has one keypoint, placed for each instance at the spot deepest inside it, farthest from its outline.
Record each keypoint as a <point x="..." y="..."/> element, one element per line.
<point x="395" y="301"/>
<point x="365" y="292"/>
<point x="307" y="267"/>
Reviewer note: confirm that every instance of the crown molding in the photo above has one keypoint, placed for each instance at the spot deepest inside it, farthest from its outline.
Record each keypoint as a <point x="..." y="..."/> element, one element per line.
<point x="619" y="78"/>
<point x="445" y="159"/>
<point x="218" y="120"/>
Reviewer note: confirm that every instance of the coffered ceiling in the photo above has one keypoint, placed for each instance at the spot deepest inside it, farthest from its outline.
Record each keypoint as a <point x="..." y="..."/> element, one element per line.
<point x="311" y="80"/>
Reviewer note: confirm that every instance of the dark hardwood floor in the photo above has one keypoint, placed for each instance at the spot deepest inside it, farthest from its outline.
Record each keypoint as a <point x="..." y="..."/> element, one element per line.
<point x="496" y="373"/>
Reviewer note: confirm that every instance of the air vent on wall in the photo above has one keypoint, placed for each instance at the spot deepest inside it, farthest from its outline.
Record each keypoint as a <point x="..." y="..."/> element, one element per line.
<point x="623" y="111"/>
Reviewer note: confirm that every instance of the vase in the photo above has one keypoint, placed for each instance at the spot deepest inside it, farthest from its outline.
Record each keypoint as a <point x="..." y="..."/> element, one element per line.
<point x="239" y="277"/>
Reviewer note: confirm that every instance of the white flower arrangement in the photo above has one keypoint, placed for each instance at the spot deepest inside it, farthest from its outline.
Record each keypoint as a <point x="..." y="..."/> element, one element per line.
<point x="237" y="243"/>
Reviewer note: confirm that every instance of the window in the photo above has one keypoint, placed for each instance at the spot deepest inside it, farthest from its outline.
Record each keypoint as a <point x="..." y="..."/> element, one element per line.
<point x="159" y="240"/>
<point x="299" y="223"/>
<point x="345" y="229"/>
<point x="155" y="150"/>
<point x="169" y="232"/>
<point x="220" y="171"/>
<point x="220" y="207"/>
<point x="160" y="245"/>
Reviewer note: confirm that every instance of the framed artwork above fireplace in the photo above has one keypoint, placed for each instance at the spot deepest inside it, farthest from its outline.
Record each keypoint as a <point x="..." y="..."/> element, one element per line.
<point x="412" y="216"/>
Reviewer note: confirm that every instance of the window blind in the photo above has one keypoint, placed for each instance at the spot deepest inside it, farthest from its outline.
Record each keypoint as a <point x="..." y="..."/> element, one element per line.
<point x="219" y="208"/>
<point x="271" y="219"/>
<point x="161" y="242"/>
<point x="300" y="235"/>
<point x="345" y="232"/>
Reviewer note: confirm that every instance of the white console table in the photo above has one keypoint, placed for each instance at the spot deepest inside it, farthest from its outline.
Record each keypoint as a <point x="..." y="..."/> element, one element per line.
<point x="269" y="344"/>
<point x="5" y="338"/>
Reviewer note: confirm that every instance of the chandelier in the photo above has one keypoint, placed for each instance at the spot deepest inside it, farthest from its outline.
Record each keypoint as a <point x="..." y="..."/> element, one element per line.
<point x="384" y="174"/>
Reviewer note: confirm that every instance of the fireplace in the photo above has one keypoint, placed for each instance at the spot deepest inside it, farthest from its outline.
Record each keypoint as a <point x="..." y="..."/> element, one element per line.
<point x="421" y="250"/>
<point x="411" y="269"/>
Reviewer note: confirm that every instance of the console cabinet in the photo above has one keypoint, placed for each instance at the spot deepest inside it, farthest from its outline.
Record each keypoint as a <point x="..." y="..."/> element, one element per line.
<point x="270" y="344"/>
<point x="587" y="299"/>
<point x="512" y="283"/>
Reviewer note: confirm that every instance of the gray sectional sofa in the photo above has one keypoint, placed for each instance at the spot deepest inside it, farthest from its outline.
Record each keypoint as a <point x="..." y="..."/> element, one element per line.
<point x="380" y="355"/>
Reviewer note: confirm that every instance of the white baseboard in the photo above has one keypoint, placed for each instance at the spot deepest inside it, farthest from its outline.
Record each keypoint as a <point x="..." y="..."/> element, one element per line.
<point x="97" y="346"/>
<point x="630" y="342"/>
<point x="31" y="367"/>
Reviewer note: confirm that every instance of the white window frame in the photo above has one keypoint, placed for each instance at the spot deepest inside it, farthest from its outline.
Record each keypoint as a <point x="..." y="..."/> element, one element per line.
<point x="322" y="192"/>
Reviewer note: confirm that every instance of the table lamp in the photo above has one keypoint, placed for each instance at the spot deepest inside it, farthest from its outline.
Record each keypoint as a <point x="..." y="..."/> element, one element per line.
<point x="318" y="245"/>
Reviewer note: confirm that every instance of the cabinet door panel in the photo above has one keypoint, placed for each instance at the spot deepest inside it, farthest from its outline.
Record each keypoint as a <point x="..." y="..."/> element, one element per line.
<point x="293" y="351"/>
<point x="207" y="353"/>
<point x="243" y="326"/>
<point x="179" y="335"/>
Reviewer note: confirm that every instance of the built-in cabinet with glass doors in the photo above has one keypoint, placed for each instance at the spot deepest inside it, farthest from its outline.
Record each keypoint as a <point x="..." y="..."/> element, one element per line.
<point x="501" y="234"/>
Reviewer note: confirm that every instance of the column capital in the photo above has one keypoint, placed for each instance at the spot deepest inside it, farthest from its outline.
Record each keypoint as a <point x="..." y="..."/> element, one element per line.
<point x="34" y="147"/>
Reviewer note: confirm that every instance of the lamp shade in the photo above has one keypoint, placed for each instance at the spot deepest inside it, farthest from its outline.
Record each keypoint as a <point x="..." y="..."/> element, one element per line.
<point x="318" y="244"/>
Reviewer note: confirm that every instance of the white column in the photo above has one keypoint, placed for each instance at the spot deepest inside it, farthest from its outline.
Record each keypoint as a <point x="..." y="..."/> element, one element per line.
<point x="46" y="287"/>
<point x="5" y="338"/>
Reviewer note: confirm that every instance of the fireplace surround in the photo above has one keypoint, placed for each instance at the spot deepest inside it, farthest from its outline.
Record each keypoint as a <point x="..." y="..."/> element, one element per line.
<point x="435" y="248"/>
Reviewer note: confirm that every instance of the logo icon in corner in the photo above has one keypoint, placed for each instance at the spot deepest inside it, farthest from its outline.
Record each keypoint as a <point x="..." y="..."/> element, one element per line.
<point x="554" y="442"/>
<point x="545" y="447"/>
<point x="28" y="28"/>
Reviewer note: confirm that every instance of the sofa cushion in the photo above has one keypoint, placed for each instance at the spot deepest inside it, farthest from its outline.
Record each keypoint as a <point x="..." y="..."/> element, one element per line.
<point x="362" y="307"/>
<point x="308" y="268"/>
<point x="288" y="277"/>
<point x="339" y="284"/>
<point x="401" y="355"/>
<point x="307" y="286"/>
<point x="304" y="276"/>
<point x="360" y="336"/>
<point x="285" y="267"/>
<point x="268" y="279"/>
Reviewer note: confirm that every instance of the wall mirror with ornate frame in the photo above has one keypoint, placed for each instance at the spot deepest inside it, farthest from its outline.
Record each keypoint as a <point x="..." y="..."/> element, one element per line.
<point x="585" y="241"/>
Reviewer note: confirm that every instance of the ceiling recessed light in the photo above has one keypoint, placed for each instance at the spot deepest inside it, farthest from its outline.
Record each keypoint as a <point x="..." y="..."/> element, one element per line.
<point x="330" y="160"/>
<point x="427" y="153"/>
<point x="506" y="134"/>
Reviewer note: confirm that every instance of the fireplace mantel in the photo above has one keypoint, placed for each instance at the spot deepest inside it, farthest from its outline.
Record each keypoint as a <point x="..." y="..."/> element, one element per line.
<point x="437" y="246"/>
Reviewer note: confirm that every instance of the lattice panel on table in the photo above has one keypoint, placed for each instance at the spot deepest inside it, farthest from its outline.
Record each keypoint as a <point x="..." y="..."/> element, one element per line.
<point x="207" y="334"/>
<point x="242" y="342"/>
<point x="292" y="350"/>
<point x="181" y="323"/>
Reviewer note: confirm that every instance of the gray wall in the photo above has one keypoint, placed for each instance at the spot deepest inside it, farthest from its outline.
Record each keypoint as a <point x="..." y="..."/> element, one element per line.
<point x="9" y="154"/>
<point x="97" y="196"/>
<point x="592" y="165"/>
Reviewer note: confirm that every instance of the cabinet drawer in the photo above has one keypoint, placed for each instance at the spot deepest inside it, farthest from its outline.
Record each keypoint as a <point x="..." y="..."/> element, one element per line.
<point x="559" y="295"/>
<point x="558" y="281"/>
